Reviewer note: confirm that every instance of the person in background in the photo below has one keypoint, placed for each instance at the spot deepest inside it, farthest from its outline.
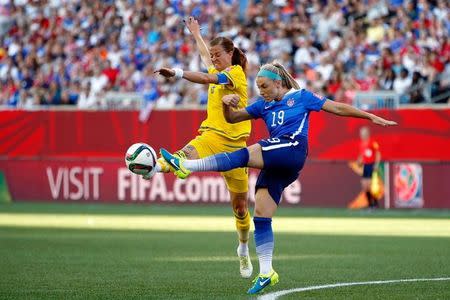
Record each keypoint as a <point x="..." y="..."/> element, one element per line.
<point x="369" y="157"/>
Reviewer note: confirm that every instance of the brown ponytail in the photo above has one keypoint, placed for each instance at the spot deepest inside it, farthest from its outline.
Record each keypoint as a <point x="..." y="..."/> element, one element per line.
<point x="238" y="57"/>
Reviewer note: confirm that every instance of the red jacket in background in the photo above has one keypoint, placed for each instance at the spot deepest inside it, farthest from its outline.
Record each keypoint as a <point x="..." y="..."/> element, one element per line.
<point x="367" y="151"/>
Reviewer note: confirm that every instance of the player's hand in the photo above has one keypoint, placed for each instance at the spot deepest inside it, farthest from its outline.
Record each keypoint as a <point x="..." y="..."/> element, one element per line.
<point x="192" y="25"/>
<point x="383" y="122"/>
<point x="166" y="72"/>
<point x="231" y="100"/>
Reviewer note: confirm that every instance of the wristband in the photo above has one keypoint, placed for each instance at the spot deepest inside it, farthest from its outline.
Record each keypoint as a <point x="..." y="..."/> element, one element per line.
<point x="178" y="72"/>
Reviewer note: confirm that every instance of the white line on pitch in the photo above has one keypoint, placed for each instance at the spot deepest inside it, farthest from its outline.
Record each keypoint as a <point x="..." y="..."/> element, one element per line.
<point x="275" y="295"/>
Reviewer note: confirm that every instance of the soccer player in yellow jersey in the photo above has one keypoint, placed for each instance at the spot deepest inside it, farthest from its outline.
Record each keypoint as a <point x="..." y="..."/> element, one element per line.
<point x="226" y="75"/>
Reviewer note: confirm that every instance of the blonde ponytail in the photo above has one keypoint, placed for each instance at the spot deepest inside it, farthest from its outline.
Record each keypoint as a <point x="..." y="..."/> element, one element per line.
<point x="286" y="79"/>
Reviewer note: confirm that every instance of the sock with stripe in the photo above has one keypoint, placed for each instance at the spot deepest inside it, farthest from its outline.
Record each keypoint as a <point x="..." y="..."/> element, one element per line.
<point x="243" y="231"/>
<point x="220" y="162"/>
<point x="264" y="243"/>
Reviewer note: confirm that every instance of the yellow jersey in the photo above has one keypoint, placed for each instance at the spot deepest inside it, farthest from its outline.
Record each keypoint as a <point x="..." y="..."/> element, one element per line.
<point x="215" y="121"/>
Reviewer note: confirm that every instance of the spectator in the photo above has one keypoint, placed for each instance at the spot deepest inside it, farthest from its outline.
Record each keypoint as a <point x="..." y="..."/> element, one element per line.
<point x="86" y="98"/>
<point x="402" y="84"/>
<point x="325" y="68"/>
<point x="376" y="31"/>
<point x="27" y="100"/>
<point x="334" y="86"/>
<point x="303" y="53"/>
<point x="98" y="82"/>
<point x="111" y="73"/>
<point x="387" y="80"/>
<point x="416" y="89"/>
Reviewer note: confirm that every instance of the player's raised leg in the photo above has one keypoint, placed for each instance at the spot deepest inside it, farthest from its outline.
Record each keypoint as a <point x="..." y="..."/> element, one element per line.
<point x="220" y="162"/>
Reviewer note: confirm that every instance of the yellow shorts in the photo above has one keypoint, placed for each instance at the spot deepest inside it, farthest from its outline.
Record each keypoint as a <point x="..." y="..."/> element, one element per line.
<point x="210" y="143"/>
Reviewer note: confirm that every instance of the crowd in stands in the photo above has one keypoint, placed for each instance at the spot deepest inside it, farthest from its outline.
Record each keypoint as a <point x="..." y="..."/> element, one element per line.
<point x="74" y="52"/>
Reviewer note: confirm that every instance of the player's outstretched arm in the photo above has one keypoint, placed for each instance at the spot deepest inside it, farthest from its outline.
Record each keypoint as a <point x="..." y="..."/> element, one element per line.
<point x="194" y="28"/>
<point x="346" y="110"/>
<point x="196" y="77"/>
<point x="231" y="115"/>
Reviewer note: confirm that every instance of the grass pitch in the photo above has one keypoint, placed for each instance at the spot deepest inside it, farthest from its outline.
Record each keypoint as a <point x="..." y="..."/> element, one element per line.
<point x="56" y="251"/>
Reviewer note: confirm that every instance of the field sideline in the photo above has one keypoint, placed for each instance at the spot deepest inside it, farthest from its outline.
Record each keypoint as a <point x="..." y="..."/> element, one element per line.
<point x="73" y="251"/>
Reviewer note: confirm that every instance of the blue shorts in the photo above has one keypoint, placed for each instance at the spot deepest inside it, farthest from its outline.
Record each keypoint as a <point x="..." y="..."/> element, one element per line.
<point x="283" y="160"/>
<point x="367" y="170"/>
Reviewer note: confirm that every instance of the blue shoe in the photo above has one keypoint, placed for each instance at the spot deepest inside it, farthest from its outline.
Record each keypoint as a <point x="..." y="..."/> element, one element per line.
<point x="263" y="281"/>
<point x="175" y="163"/>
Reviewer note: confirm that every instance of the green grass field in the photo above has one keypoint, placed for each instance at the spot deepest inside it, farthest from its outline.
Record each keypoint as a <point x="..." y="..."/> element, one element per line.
<point x="75" y="251"/>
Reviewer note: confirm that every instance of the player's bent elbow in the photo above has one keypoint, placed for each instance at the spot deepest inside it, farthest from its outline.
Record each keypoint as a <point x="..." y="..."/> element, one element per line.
<point x="231" y="118"/>
<point x="208" y="79"/>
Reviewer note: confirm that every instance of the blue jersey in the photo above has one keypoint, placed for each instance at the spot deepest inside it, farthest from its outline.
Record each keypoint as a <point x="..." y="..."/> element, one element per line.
<point x="290" y="115"/>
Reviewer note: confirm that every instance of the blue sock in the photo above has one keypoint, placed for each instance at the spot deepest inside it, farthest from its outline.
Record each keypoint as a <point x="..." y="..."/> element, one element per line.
<point x="220" y="162"/>
<point x="264" y="243"/>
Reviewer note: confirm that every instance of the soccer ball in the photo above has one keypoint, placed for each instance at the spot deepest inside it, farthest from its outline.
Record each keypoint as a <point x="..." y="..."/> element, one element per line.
<point x="141" y="159"/>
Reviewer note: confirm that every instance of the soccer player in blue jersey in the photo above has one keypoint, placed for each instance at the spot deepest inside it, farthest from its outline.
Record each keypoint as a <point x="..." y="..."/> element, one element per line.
<point x="280" y="157"/>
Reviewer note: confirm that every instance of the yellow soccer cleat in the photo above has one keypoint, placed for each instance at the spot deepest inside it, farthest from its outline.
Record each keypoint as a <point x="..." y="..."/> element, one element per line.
<point x="165" y="167"/>
<point x="175" y="163"/>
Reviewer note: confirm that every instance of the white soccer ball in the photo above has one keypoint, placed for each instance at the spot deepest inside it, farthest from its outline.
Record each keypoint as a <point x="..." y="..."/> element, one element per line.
<point x="141" y="159"/>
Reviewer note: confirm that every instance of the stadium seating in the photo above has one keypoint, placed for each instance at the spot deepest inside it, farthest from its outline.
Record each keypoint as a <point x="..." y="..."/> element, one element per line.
<point x="75" y="52"/>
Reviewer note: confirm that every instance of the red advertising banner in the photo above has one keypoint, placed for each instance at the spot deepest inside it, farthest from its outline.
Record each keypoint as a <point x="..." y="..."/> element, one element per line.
<point x="321" y="184"/>
<point x="422" y="135"/>
<point x="113" y="182"/>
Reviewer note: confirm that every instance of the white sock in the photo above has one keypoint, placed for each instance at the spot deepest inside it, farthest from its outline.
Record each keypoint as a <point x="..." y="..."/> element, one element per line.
<point x="242" y="249"/>
<point x="265" y="258"/>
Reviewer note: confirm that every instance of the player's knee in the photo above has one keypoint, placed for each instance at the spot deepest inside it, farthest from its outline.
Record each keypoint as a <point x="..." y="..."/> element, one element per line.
<point x="240" y="211"/>
<point x="240" y="206"/>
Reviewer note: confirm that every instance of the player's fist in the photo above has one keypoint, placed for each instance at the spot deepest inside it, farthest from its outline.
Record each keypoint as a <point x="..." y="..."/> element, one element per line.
<point x="166" y="72"/>
<point x="231" y="100"/>
<point x="192" y="25"/>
